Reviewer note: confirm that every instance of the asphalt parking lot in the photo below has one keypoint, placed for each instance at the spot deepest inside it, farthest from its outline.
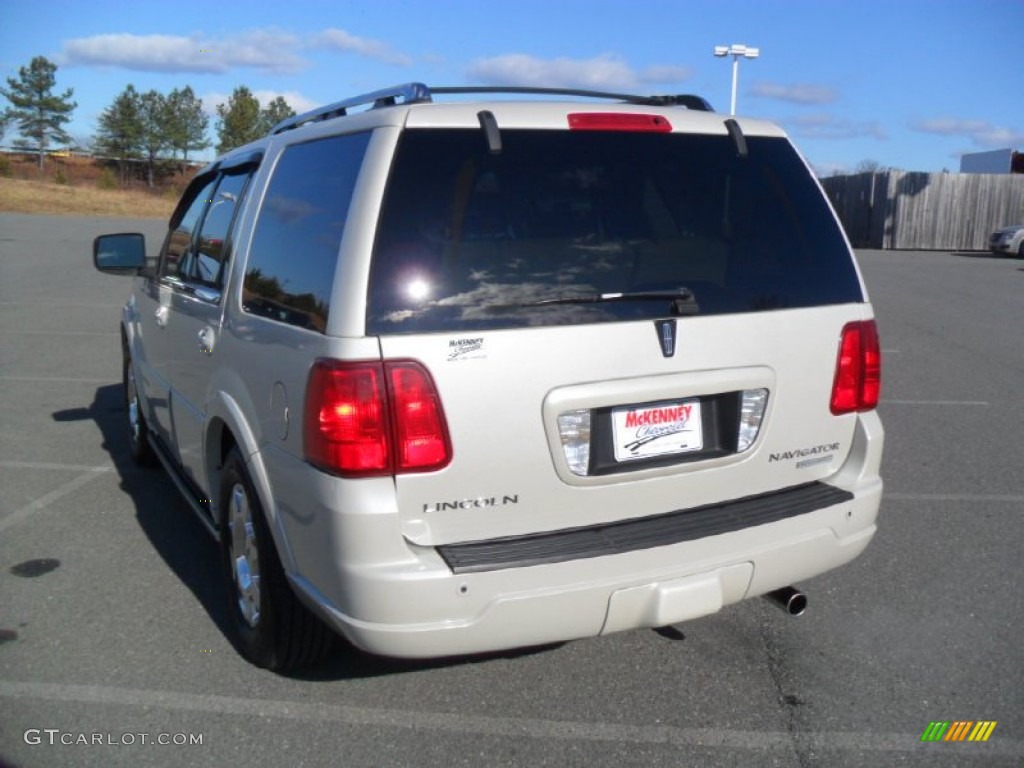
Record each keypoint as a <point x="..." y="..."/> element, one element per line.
<point x="112" y="634"/>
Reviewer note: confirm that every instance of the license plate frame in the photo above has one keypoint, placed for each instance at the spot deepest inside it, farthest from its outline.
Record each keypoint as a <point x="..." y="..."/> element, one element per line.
<point x="666" y="428"/>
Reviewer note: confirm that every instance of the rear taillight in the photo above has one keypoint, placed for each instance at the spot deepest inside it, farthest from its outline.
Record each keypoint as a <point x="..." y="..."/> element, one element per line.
<point x="374" y="418"/>
<point x="421" y="436"/>
<point x="859" y="369"/>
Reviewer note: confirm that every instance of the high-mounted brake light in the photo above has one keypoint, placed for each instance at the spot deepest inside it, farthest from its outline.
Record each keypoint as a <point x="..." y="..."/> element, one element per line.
<point x="858" y="378"/>
<point x="372" y="418"/>
<point x="618" y="121"/>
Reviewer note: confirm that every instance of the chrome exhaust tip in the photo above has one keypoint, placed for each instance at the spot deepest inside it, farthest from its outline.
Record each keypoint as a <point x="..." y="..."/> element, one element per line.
<point x="789" y="599"/>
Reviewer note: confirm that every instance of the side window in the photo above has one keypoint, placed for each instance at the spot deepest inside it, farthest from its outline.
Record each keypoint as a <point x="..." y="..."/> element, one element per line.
<point x="212" y="249"/>
<point x="177" y="256"/>
<point x="295" y="243"/>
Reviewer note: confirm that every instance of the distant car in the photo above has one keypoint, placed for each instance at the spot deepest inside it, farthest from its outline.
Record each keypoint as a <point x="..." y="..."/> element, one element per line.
<point x="1008" y="240"/>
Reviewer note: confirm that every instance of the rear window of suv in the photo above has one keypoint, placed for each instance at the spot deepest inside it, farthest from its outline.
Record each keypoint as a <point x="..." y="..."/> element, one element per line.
<point x="546" y="231"/>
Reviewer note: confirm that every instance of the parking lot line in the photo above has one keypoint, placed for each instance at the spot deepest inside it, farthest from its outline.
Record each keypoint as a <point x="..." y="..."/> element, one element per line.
<point x="59" y="333"/>
<point x="475" y="724"/>
<point x="52" y="465"/>
<point x="1009" y="498"/>
<point x="935" y="402"/>
<point x="57" y="378"/>
<point x="57" y="493"/>
<point x="61" y="303"/>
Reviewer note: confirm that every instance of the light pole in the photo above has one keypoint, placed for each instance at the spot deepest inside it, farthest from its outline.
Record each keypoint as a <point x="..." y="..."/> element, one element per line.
<point x="736" y="51"/>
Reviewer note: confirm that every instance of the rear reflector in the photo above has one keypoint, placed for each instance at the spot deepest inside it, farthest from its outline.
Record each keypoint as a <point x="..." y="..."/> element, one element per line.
<point x="374" y="418"/>
<point x="858" y="378"/>
<point x="574" y="432"/>
<point x="752" y="405"/>
<point x="618" y="121"/>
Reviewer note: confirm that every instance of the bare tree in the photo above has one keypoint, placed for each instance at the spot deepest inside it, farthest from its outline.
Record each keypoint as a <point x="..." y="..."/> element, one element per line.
<point x="868" y="166"/>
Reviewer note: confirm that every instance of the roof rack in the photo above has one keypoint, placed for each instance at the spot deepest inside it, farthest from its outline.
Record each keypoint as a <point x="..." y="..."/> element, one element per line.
<point x="682" y="100"/>
<point x="414" y="93"/>
<point x="409" y="93"/>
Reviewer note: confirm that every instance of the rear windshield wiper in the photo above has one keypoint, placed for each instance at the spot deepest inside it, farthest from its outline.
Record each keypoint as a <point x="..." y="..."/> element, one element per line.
<point x="683" y="301"/>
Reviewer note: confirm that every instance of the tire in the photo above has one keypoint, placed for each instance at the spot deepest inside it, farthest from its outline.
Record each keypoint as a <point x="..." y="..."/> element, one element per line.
<point x="1020" y="250"/>
<point x="272" y="629"/>
<point x="138" y="433"/>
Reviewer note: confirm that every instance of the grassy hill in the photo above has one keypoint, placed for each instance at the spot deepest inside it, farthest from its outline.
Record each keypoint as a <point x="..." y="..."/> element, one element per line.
<point x="23" y="196"/>
<point x="84" y="186"/>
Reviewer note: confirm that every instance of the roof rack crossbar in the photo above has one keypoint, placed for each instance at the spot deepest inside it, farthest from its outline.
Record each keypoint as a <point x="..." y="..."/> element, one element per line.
<point x="408" y="93"/>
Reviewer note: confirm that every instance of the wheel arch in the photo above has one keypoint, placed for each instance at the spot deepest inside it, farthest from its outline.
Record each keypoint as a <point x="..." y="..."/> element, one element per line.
<point x="228" y="428"/>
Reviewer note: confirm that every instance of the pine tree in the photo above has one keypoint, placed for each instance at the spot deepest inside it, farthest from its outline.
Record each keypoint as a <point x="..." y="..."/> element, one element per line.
<point x="153" y="117"/>
<point x="186" y="123"/>
<point x="120" y="129"/>
<point x="275" y="112"/>
<point x="240" y="120"/>
<point x="37" y="112"/>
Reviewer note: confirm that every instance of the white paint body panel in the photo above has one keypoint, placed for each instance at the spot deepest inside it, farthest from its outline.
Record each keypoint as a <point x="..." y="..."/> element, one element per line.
<point x="362" y="552"/>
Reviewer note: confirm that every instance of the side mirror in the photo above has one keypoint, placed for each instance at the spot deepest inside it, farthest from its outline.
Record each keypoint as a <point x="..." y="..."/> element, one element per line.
<point x="121" y="254"/>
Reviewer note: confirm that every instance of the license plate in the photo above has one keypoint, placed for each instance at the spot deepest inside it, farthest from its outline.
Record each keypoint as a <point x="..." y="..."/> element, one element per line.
<point x="640" y="432"/>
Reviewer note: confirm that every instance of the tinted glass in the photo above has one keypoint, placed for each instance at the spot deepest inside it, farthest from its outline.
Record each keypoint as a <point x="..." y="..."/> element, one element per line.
<point x="175" y="261"/>
<point x="471" y="240"/>
<point x="210" y="255"/>
<point x="295" y="243"/>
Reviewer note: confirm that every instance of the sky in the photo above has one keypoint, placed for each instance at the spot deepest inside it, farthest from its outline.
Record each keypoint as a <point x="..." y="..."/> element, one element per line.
<point x="909" y="84"/>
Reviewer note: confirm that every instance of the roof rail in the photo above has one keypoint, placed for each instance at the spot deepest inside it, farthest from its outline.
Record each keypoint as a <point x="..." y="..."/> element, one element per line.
<point x="683" y="99"/>
<point x="413" y="93"/>
<point x="409" y="93"/>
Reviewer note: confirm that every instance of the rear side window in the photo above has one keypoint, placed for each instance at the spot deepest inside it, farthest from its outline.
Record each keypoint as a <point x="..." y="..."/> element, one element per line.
<point x="295" y="243"/>
<point x="545" y="231"/>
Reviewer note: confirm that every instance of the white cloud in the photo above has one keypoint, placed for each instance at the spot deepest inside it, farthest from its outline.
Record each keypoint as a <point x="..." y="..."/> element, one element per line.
<point x="980" y="132"/>
<point x="268" y="50"/>
<point x="797" y="93"/>
<point x="340" y="40"/>
<point x="823" y="126"/>
<point x="606" y="71"/>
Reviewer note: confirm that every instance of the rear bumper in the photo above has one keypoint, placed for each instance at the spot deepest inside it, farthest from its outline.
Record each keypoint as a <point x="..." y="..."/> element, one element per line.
<point x="609" y="596"/>
<point x="422" y="606"/>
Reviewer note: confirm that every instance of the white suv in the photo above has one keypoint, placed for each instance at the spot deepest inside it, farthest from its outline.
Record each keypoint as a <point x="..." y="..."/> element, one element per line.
<point x="1008" y="240"/>
<point x="464" y="376"/>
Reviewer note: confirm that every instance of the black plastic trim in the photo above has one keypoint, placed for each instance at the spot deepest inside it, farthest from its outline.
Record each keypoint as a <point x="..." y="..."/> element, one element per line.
<point x="688" y="100"/>
<point x="202" y="509"/>
<point x="644" y="533"/>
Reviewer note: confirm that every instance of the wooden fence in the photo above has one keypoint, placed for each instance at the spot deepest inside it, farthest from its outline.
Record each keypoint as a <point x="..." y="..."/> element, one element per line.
<point x="925" y="211"/>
